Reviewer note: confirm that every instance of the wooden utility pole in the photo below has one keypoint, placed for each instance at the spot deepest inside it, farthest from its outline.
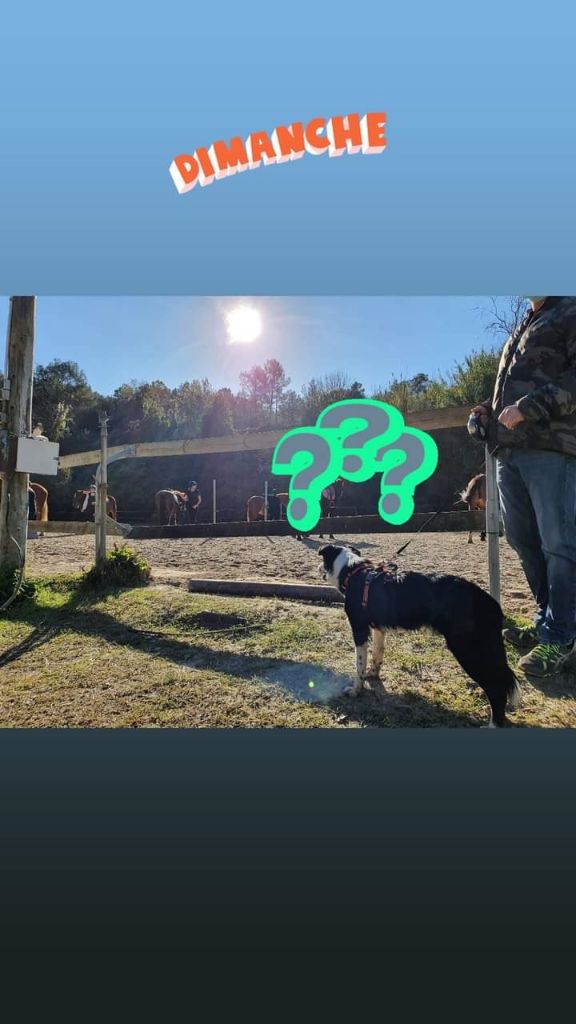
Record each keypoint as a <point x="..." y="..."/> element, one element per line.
<point x="17" y="423"/>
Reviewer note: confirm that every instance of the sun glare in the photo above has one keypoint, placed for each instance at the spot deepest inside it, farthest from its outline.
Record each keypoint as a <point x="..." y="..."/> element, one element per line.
<point x="244" y="324"/>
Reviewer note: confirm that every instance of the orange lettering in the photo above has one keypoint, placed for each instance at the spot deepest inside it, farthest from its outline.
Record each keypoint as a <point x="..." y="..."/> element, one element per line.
<point x="260" y="148"/>
<point x="289" y="142"/>
<point x="337" y="134"/>
<point x="228" y="159"/>
<point x="314" y="142"/>
<point x="344" y="133"/>
<point x="373" y="128"/>
<point x="184" y="171"/>
<point x="207" y="172"/>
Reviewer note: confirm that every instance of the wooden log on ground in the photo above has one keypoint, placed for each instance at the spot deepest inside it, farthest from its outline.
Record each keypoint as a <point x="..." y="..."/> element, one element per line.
<point x="266" y="588"/>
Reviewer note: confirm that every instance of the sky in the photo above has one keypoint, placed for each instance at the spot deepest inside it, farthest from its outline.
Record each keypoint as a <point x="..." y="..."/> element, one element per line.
<point x="116" y="340"/>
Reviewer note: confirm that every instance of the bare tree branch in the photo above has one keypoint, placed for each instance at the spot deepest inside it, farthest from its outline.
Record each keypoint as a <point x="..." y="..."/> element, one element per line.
<point x="503" y="314"/>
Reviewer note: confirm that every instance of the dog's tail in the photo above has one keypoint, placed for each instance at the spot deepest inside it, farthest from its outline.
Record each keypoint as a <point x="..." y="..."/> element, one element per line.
<point x="471" y="623"/>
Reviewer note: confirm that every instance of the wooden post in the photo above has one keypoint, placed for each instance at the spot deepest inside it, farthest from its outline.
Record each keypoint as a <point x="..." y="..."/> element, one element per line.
<point x="265" y="501"/>
<point x="102" y="492"/>
<point x="18" y="423"/>
<point x="213" y="501"/>
<point x="492" y="527"/>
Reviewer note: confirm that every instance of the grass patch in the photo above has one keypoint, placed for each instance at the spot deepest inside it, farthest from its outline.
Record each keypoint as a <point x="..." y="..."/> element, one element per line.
<point x="159" y="656"/>
<point x="9" y="581"/>
<point x="122" y="567"/>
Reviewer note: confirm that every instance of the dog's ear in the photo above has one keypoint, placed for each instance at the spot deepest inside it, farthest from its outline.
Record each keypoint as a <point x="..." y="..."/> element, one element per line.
<point x="323" y="549"/>
<point x="355" y="550"/>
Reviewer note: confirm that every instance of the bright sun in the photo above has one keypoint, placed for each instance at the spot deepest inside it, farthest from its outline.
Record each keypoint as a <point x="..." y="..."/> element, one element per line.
<point x="244" y="324"/>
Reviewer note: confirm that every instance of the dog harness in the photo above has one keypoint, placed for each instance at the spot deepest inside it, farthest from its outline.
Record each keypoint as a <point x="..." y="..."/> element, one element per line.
<point x="372" y="573"/>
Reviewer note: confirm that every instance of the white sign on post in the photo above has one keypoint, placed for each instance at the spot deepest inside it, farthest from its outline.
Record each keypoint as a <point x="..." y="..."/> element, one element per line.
<point x="37" y="455"/>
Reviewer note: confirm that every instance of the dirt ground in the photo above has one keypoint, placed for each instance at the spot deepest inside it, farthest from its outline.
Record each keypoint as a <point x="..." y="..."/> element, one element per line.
<point x="284" y="558"/>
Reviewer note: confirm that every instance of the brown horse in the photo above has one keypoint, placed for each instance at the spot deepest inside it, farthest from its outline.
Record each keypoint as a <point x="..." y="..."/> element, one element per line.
<point x="41" y="500"/>
<point x="255" y="506"/>
<point x="41" y="495"/>
<point x="84" y="501"/>
<point x="474" y="496"/>
<point x="168" y="506"/>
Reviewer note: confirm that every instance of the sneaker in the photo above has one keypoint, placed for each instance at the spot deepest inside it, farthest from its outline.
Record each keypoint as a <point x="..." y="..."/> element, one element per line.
<point x="524" y="637"/>
<point x="545" y="659"/>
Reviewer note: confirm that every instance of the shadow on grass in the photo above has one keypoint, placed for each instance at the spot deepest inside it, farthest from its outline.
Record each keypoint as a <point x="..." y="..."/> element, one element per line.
<point x="375" y="706"/>
<point x="305" y="681"/>
<point x="561" y="685"/>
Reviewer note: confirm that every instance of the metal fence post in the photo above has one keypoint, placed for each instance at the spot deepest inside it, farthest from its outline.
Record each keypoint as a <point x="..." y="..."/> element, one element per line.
<point x="492" y="527"/>
<point x="102" y="493"/>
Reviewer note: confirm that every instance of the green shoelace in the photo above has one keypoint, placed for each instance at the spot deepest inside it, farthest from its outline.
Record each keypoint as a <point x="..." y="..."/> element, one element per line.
<point x="546" y="653"/>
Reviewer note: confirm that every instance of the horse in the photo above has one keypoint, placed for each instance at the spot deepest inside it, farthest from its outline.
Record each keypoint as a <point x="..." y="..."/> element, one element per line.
<point x="255" y="506"/>
<point x="84" y="501"/>
<point x="40" y="499"/>
<point x="330" y="500"/>
<point x="41" y="495"/>
<point x="168" y="506"/>
<point x="474" y="495"/>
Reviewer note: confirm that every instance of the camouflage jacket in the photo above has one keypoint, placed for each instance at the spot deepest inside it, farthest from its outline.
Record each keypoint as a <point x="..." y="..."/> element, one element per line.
<point x="537" y="372"/>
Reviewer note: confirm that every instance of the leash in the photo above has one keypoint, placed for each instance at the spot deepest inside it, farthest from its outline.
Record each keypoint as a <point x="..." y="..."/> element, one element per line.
<point x="423" y="527"/>
<point x="387" y="566"/>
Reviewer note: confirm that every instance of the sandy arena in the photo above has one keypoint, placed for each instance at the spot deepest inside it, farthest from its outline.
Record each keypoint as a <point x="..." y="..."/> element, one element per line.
<point x="284" y="558"/>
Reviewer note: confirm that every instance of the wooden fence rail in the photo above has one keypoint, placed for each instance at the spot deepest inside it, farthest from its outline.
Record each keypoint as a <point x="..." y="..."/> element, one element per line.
<point x="428" y="419"/>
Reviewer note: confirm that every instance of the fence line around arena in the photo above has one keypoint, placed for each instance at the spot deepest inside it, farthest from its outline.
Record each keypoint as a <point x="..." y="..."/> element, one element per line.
<point x="429" y="419"/>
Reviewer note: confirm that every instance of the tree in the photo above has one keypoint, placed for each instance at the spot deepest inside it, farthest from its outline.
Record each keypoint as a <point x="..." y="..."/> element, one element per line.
<point x="263" y="387"/>
<point x="419" y="384"/>
<point x="322" y="391"/>
<point x="276" y="384"/>
<point x="60" y="388"/>
<point x="504" y="314"/>
<point x="141" y="411"/>
<point x="290" y="410"/>
<point x="409" y="394"/>
<point x="219" y="419"/>
<point x="396" y="393"/>
<point x="192" y="401"/>
<point x="472" y="381"/>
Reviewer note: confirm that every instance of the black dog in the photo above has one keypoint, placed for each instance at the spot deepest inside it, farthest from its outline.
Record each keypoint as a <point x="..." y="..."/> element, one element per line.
<point x="468" y="618"/>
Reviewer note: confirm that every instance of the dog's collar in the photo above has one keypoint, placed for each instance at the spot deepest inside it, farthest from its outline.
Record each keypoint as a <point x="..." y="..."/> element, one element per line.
<point x="349" y="573"/>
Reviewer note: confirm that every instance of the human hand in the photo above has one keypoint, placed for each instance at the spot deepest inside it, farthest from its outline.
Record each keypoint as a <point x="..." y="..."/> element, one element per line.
<point x="511" y="417"/>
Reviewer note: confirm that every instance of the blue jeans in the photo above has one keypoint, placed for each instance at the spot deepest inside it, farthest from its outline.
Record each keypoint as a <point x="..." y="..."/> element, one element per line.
<point x="538" y="502"/>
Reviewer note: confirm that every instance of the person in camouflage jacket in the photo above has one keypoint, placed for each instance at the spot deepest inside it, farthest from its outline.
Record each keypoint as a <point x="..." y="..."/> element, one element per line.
<point x="531" y="427"/>
<point x="537" y="374"/>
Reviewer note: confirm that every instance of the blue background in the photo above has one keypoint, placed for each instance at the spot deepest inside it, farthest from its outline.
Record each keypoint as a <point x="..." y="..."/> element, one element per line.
<point x="474" y="194"/>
